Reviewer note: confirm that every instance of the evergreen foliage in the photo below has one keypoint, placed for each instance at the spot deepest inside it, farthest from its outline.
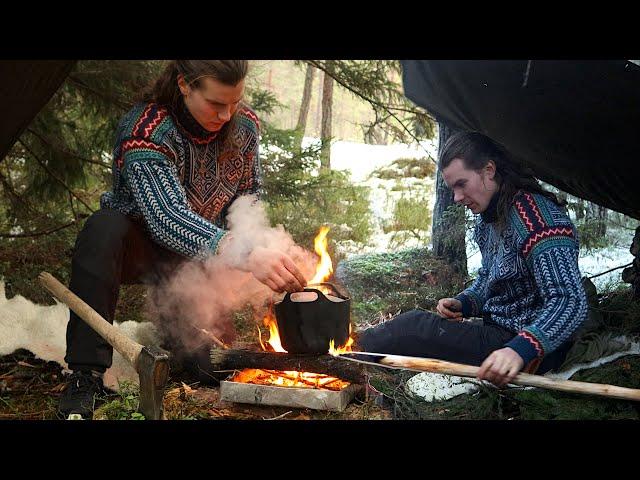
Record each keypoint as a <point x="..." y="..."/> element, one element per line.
<point x="299" y="194"/>
<point x="59" y="166"/>
<point x="411" y="219"/>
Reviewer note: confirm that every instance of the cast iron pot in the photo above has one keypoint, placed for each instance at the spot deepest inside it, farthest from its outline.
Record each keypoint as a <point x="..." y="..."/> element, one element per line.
<point x="308" y="327"/>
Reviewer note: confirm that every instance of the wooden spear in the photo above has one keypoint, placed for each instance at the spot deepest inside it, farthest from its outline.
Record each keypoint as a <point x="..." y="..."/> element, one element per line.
<point x="461" y="370"/>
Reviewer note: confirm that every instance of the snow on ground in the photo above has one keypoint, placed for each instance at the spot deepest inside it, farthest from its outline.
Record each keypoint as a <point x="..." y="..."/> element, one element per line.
<point x="362" y="159"/>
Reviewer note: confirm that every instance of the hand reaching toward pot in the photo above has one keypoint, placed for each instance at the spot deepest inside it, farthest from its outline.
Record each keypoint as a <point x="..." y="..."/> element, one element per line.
<point x="275" y="269"/>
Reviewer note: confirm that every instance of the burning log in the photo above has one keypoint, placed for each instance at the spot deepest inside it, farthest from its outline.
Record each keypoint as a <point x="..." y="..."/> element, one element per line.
<point x="324" y="364"/>
<point x="294" y="369"/>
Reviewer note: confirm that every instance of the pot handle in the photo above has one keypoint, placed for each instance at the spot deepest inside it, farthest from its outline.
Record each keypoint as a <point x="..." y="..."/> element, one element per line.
<point x="321" y="296"/>
<point x="337" y="291"/>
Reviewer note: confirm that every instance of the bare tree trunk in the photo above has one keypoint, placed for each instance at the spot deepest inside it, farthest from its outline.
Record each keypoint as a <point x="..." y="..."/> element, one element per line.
<point x="448" y="227"/>
<point x="579" y="209"/>
<point x="602" y="219"/>
<point x="325" y="131"/>
<point x="632" y="274"/>
<point x="306" y="99"/>
<point x="598" y="215"/>
<point x="318" y="117"/>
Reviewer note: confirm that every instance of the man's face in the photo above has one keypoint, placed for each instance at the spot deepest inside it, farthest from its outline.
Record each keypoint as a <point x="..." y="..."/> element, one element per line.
<point x="213" y="103"/>
<point x="471" y="188"/>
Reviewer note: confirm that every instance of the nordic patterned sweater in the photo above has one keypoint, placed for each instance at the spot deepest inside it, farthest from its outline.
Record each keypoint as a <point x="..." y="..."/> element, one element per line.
<point x="529" y="281"/>
<point x="169" y="174"/>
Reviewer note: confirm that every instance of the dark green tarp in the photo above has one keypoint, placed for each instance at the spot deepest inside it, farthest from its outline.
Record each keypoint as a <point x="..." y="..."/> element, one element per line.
<point x="25" y="87"/>
<point x="575" y="123"/>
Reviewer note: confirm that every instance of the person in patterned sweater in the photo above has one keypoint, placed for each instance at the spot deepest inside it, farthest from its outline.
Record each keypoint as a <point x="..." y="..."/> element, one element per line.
<point x="182" y="156"/>
<point x="528" y="291"/>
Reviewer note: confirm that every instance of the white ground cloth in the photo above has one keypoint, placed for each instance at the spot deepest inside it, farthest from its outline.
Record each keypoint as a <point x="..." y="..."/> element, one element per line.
<point x="42" y="330"/>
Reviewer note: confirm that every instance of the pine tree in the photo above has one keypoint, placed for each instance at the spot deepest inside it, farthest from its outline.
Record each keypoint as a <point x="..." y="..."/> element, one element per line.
<point x="55" y="172"/>
<point x="378" y="83"/>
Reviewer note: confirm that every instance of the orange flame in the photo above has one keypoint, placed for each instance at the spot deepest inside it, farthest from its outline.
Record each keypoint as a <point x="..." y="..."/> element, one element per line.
<point x="289" y="378"/>
<point x="269" y="321"/>
<point x="324" y="270"/>
<point x="325" y="266"/>
<point x="341" y="349"/>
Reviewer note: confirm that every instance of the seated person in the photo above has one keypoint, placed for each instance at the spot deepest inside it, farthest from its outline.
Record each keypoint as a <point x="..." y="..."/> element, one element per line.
<point x="528" y="290"/>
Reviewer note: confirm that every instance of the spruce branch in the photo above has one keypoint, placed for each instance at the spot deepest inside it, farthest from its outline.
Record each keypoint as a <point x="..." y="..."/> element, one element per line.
<point x="59" y="148"/>
<point x="54" y="176"/>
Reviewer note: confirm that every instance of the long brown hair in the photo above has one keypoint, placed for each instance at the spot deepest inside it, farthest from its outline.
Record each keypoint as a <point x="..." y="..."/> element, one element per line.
<point x="165" y="90"/>
<point x="475" y="150"/>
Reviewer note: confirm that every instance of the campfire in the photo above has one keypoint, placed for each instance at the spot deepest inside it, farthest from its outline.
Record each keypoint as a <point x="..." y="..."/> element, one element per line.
<point x="308" y="380"/>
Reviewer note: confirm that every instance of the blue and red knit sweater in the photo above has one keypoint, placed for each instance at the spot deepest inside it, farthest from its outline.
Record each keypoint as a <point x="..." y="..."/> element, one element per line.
<point x="173" y="175"/>
<point x="529" y="281"/>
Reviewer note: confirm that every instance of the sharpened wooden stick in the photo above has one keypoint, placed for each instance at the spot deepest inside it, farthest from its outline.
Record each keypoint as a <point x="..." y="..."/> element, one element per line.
<point x="211" y="336"/>
<point x="450" y="368"/>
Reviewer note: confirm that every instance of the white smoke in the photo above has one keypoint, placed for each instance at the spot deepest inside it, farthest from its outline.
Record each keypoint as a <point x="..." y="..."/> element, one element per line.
<point x="204" y="294"/>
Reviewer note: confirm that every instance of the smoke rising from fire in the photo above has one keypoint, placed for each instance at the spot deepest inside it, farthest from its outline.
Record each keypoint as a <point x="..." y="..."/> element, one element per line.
<point x="206" y="293"/>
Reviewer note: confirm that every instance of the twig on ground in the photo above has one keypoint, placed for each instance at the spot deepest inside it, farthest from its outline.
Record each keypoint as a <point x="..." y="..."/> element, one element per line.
<point x="279" y="416"/>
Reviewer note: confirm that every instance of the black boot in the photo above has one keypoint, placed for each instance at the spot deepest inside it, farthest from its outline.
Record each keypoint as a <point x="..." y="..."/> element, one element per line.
<point x="80" y="395"/>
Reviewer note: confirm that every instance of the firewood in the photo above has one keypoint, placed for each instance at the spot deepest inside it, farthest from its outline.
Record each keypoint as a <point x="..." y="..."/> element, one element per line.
<point x="222" y="360"/>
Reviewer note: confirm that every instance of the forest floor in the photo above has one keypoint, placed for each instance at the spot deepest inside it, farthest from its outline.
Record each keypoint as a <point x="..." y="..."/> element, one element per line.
<point x="380" y="285"/>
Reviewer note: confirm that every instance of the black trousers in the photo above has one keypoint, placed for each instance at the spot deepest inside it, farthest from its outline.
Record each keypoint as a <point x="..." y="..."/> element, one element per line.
<point x="424" y="334"/>
<point x="111" y="250"/>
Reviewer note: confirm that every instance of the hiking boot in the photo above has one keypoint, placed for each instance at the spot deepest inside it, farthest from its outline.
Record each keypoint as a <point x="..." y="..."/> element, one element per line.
<point x="79" y="395"/>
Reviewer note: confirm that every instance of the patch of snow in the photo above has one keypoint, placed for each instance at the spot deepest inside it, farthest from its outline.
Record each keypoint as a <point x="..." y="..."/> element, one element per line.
<point x="603" y="259"/>
<point x="435" y="386"/>
<point x="362" y="159"/>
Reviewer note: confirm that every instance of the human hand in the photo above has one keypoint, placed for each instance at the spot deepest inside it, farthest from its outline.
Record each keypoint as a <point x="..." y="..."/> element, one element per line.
<point x="501" y="366"/>
<point x="450" y="308"/>
<point x="275" y="269"/>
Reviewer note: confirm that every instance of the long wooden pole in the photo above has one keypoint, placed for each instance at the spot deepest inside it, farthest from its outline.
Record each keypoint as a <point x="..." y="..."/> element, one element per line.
<point x="461" y="370"/>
